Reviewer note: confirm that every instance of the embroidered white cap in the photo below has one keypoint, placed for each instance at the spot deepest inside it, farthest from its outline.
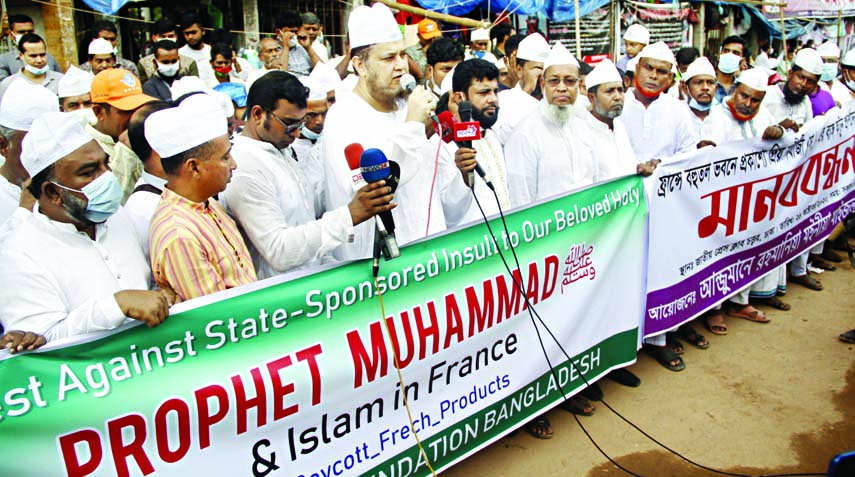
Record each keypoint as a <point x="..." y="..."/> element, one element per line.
<point x="559" y="56"/>
<point x="316" y="92"/>
<point x="754" y="78"/>
<point x="809" y="60"/>
<point x="75" y="82"/>
<point x="372" y="25"/>
<point x="637" y="33"/>
<point x="100" y="46"/>
<point x="197" y="120"/>
<point x="326" y="76"/>
<point x="849" y="59"/>
<point x="828" y="50"/>
<point x="23" y="102"/>
<point x="604" y="72"/>
<point x="658" y="51"/>
<point x="699" y="67"/>
<point x="533" y="48"/>
<point x="53" y="136"/>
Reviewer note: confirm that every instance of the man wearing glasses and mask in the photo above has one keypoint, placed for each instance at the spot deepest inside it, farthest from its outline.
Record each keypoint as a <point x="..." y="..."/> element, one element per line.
<point x="270" y="194"/>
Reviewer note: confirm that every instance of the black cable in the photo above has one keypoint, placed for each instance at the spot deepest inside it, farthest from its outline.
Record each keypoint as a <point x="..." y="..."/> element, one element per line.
<point x="533" y="312"/>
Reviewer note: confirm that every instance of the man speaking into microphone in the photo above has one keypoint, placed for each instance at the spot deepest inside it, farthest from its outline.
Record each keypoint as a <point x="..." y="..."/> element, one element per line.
<point x="381" y="114"/>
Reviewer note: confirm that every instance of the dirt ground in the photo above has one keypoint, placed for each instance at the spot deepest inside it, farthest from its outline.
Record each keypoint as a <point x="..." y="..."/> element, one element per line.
<point x="765" y="399"/>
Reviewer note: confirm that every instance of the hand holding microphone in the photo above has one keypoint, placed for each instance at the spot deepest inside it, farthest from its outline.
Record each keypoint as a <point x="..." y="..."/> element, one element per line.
<point x="420" y="103"/>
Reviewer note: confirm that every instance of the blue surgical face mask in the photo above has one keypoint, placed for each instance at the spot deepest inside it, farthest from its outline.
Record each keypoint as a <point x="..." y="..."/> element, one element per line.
<point x="829" y="71"/>
<point x="479" y="54"/>
<point x="850" y="84"/>
<point x="103" y="195"/>
<point x="37" y="71"/>
<point x="309" y="134"/>
<point x="694" y="104"/>
<point x="728" y="63"/>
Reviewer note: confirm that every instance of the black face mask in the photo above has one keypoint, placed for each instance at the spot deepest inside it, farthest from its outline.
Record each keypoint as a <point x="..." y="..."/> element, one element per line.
<point x="792" y="97"/>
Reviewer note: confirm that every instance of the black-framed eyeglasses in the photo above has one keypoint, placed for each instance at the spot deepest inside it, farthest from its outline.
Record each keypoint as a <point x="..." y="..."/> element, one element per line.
<point x="289" y="128"/>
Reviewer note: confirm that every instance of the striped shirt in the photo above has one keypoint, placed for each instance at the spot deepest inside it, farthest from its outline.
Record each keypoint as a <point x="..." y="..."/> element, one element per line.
<point x="196" y="248"/>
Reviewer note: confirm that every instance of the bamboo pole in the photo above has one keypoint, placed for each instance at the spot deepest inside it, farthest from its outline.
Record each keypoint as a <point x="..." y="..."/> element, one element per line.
<point x="468" y="22"/>
<point x="783" y="31"/>
<point x="578" y="30"/>
<point x="839" y="25"/>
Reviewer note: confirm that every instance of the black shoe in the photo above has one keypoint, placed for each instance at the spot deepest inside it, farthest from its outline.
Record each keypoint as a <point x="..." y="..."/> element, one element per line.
<point x="593" y="392"/>
<point x="624" y="377"/>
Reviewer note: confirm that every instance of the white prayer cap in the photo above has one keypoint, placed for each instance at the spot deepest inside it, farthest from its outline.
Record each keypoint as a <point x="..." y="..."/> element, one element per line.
<point x="754" y="78"/>
<point x="533" y="48"/>
<point x="224" y="100"/>
<point x="630" y="65"/>
<point x="658" y="51"/>
<point x="100" y="46"/>
<point x="809" y="60"/>
<point x="371" y="25"/>
<point x="559" y="56"/>
<point x="187" y="84"/>
<point x="316" y="92"/>
<point x="849" y="59"/>
<point x="637" y="33"/>
<point x="700" y="66"/>
<point x="500" y="64"/>
<point x="479" y="35"/>
<point x="53" y="136"/>
<point x="197" y="120"/>
<point x="604" y="72"/>
<point x="23" y="102"/>
<point x="767" y="63"/>
<point x="828" y="50"/>
<point x="326" y="76"/>
<point x="75" y="82"/>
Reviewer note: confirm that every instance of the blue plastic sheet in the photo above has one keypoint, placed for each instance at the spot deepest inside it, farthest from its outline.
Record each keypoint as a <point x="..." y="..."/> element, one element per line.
<point x="107" y="7"/>
<point x="555" y="10"/>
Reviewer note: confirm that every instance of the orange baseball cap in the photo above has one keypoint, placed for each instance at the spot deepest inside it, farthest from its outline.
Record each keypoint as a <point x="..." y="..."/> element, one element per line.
<point x="119" y="88"/>
<point x="429" y="29"/>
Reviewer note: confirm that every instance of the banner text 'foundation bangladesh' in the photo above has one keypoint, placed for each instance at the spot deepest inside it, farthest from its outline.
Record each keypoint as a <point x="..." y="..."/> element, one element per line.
<point x="726" y="216"/>
<point x="297" y="378"/>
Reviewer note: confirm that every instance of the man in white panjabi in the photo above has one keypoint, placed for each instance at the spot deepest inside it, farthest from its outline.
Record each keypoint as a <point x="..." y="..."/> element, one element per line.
<point x="380" y="114"/>
<point x="699" y="86"/>
<point x="519" y="101"/>
<point x="547" y="154"/>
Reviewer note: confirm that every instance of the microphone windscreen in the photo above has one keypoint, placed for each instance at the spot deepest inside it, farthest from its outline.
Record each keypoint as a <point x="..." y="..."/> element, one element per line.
<point x="353" y="153"/>
<point x="446" y="122"/>
<point x="374" y="165"/>
<point x="408" y="82"/>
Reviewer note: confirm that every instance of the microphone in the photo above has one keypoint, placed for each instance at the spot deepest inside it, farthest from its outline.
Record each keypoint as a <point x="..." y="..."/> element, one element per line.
<point x="465" y="132"/>
<point x="408" y="83"/>
<point x="376" y="167"/>
<point x="353" y="152"/>
<point x="446" y="123"/>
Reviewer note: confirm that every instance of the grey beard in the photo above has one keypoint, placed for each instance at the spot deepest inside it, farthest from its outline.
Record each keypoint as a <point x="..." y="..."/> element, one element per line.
<point x="559" y="114"/>
<point x="74" y="206"/>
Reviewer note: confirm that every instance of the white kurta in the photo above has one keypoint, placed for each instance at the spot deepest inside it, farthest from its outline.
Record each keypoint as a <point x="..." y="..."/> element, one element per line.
<point x="609" y="148"/>
<point x="780" y="109"/>
<point x="547" y="158"/>
<point x="514" y="105"/>
<point x="841" y="93"/>
<point x="60" y="283"/>
<point x="724" y="128"/>
<point x="660" y="131"/>
<point x="308" y="158"/>
<point x="351" y="120"/>
<point x="272" y="201"/>
<point x="202" y="55"/>
<point x="140" y="208"/>
<point x="10" y="197"/>
<point x="706" y="128"/>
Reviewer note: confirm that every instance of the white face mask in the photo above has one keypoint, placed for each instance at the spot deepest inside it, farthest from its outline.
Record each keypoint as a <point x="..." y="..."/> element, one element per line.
<point x="37" y="71"/>
<point x="309" y="134"/>
<point x="168" y="70"/>
<point x="85" y="115"/>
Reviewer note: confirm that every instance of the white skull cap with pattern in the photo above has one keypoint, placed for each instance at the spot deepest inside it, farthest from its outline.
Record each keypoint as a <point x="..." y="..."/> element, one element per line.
<point x="100" y="46"/>
<point x="809" y="60"/>
<point x="52" y="136"/>
<point x="637" y="33"/>
<point x="559" y="56"/>
<point x="604" y="72"/>
<point x="23" y="102"/>
<point x="316" y="92"/>
<point x="828" y="50"/>
<point x="197" y="120"/>
<point x="372" y="25"/>
<point x="754" y="78"/>
<point x="480" y="35"/>
<point x="700" y="66"/>
<point x="658" y="51"/>
<point x="533" y="48"/>
<point x="75" y="82"/>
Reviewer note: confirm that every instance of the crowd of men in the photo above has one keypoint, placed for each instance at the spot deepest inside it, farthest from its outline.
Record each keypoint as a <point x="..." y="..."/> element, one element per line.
<point x="127" y="188"/>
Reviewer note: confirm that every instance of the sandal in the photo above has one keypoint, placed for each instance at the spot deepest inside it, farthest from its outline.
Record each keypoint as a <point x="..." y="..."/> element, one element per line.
<point x="539" y="427"/>
<point x="807" y="281"/>
<point x="672" y="342"/>
<point x="749" y="313"/>
<point x="693" y="337"/>
<point x="665" y="356"/>
<point x="715" y="322"/>
<point x="821" y="263"/>
<point x="831" y="255"/>
<point x="593" y="392"/>
<point x="578" y="405"/>
<point x="848" y="337"/>
<point x="777" y="303"/>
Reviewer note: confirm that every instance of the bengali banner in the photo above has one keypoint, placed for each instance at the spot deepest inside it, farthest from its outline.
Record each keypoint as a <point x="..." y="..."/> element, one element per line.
<point x="723" y="217"/>
<point x="295" y="376"/>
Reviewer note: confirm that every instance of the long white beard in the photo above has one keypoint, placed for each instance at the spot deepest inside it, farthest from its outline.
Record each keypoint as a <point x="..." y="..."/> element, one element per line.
<point x="558" y="114"/>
